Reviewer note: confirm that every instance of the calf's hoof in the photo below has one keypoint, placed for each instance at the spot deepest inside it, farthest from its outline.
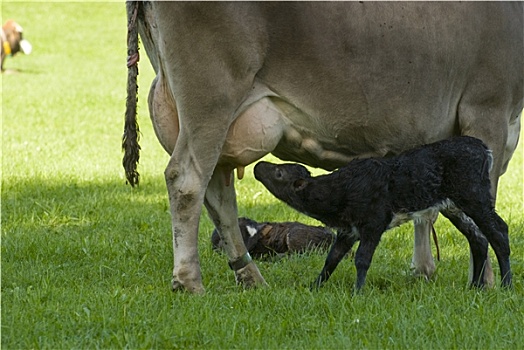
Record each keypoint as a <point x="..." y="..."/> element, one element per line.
<point x="250" y="277"/>
<point x="315" y="286"/>
<point x="507" y="281"/>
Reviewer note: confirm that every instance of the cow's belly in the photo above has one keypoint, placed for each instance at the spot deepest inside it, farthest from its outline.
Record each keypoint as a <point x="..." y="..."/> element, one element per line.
<point x="271" y="125"/>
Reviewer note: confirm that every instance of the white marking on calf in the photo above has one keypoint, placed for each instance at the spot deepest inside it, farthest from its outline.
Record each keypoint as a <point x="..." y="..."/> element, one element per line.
<point x="251" y="230"/>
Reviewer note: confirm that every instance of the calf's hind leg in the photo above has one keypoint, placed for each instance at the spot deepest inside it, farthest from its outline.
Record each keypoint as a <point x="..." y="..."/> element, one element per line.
<point x="496" y="231"/>
<point x="477" y="243"/>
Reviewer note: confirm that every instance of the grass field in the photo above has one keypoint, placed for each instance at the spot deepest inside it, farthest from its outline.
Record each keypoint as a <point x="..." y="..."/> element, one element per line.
<point x="87" y="260"/>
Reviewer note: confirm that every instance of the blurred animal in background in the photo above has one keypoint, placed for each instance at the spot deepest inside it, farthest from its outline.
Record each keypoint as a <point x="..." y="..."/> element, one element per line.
<point x="13" y="41"/>
<point x="272" y="238"/>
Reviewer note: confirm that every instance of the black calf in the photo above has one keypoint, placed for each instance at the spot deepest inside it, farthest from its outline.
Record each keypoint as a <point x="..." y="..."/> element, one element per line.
<point x="369" y="196"/>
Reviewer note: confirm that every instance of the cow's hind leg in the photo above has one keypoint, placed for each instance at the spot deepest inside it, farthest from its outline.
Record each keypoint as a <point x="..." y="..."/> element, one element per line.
<point x="220" y="202"/>
<point x="477" y="242"/>
<point x="185" y="199"/>
<point x="422" y="263"/>
<point x="343" y="243"/>
<point x="208" y="91"/>
<point x="185" y="186"/>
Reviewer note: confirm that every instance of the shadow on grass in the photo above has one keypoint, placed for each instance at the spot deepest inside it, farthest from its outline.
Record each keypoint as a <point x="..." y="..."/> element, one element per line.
<point x="94" y="229"/>
<point x="53" y="204"/>
<point x="14" y="71"/>
<point x="99" y="229"/>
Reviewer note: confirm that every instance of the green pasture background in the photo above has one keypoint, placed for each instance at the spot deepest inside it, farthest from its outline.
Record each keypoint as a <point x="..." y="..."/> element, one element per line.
<point x="86" y="260"/>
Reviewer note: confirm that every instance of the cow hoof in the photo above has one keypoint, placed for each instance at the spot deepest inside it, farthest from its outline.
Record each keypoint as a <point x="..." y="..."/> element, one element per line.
<point x="250" y="276"/>
<point x="196" y="288"/>
<point x="489" y="277"/>
<point x="425" y="271"/>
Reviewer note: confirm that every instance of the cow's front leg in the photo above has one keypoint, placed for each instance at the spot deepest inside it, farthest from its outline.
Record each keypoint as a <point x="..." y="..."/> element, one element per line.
<point x="221" y="205"/>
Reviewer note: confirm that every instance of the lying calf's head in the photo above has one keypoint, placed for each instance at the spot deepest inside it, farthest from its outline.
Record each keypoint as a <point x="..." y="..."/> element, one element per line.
<point x="248" y="229"/>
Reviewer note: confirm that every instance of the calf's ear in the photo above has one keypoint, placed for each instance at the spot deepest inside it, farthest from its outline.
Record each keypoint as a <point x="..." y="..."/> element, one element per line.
<point x="299" y="184"/>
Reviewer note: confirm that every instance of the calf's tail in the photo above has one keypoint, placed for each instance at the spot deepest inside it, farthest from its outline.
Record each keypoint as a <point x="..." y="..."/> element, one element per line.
<point x="131" y="131"/>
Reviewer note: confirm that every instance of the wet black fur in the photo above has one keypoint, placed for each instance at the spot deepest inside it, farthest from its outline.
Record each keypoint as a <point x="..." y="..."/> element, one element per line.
<point x="362" y="198"/>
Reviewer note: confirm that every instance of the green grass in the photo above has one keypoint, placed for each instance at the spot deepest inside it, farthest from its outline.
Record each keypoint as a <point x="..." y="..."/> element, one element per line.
<point x="86" y="260"/>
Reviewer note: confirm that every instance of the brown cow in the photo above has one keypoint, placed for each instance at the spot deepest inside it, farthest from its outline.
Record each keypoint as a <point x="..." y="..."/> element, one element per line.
<point x="319" y="83"/>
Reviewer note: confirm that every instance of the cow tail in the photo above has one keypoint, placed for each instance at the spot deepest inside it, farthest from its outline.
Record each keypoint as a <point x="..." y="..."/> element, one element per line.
<point x="131" y="131"/>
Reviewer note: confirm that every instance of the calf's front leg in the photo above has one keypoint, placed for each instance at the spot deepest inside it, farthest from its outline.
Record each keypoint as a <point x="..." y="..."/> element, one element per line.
<point x="343" y="243"/>
<point x="364" y="255"/>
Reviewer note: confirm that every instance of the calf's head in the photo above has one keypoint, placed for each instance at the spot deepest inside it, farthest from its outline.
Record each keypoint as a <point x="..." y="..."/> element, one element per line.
<point x="284" y="181"/>
<point x="249" y="231"/>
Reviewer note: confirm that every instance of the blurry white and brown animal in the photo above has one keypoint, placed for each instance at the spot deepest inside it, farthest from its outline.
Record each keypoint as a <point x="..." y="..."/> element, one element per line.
<point x="264" y="239"/>
<point x="13" y="41"/>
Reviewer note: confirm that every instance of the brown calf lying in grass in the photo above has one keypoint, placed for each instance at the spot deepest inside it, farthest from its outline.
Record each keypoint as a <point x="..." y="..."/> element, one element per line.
<point x="271" y="238"/>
